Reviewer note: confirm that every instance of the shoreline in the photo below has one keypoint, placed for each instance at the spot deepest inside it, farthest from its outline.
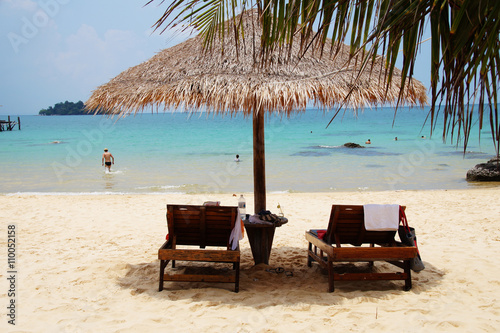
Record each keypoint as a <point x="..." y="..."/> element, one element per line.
<point x="469" y="186"/>
<point x="89" y="263"/>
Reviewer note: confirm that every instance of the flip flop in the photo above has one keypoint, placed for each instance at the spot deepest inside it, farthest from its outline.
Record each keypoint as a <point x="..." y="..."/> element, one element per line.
<point x="277" y="270"/>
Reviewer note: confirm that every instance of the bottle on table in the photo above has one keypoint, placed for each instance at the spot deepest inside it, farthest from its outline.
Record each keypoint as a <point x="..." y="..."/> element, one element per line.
<point x="242" y="206"/>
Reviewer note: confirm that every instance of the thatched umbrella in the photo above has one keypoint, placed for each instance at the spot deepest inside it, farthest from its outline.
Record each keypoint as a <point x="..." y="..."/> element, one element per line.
<point x="232" y="78"/>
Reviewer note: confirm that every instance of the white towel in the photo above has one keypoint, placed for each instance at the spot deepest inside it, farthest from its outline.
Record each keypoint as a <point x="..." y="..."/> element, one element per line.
<point x="381" y="217"/>
<point x="236" y="233"/>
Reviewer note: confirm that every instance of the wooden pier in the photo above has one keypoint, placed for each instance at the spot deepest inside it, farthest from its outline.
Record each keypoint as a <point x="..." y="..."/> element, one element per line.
<point x="8" y="125"/>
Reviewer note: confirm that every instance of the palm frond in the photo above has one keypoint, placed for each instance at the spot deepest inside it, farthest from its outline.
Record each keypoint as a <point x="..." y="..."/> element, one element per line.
<point x="464" y="47"/>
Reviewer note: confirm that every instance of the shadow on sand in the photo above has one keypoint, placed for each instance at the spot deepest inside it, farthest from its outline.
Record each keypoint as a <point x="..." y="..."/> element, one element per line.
<point x="258" y="285"/>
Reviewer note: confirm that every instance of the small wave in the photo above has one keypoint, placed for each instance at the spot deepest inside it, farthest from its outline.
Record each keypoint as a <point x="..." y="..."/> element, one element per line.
<point x="329" y="147"/>
<point x="323" y="147"/>
<point x="158" y="187"/>
<point x="117" y="172"/>
<point x="280" y="192"/>
<point x="175" y="189"/>
<point x="468" y="154"/>
<point x="55" y="142"/>
<point x="369" y="152"/>
<point x="310" y="153"/>
<point x="68" y="193"/>
<point x="375" y="166"/>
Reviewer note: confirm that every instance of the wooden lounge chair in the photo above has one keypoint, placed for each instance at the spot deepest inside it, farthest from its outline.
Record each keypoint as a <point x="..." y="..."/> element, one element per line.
<point x="200" y="226"/>
<point x="346" y="227"/>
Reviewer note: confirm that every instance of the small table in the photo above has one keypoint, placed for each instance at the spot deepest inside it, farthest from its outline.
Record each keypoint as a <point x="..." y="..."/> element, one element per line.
<point x="260" y="236"/>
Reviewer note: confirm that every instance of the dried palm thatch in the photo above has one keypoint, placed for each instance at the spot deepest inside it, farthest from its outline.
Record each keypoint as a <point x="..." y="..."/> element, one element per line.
<point x="231" y="77"/>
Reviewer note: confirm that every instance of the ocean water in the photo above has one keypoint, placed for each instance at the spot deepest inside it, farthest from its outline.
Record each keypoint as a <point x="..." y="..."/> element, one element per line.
<point x="194" y="153"/>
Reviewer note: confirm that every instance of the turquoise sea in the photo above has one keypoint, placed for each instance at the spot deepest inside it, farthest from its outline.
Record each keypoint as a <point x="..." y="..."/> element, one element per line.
<point x="194" y="153"/>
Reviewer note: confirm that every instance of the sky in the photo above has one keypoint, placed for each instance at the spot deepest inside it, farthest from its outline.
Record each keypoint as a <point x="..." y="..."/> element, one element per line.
<point x="58" y="50"/>
<point x="61" y="50"/>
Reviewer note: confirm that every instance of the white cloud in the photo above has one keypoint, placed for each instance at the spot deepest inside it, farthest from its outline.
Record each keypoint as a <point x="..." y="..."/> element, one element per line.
<point x="85" y="59"/>
<point x="27" y="5"/>
<point x="64" y="49"/>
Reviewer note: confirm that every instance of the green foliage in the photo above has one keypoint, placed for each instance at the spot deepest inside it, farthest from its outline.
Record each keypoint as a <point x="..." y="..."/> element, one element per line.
<point x="465" y="46"/>
<point x="66" y="108"/>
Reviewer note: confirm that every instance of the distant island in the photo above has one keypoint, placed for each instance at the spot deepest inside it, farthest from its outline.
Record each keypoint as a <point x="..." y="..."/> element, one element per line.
<point x="65" y="109"/>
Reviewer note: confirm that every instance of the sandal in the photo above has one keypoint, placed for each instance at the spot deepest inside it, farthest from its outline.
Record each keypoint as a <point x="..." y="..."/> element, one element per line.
<point x="279" y="270"/>
<point x="267" y="216"/>
<point x="276" y="270"/>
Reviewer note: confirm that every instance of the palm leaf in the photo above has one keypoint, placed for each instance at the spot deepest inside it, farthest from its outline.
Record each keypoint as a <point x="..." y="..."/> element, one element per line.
<point x="464" y="47"/>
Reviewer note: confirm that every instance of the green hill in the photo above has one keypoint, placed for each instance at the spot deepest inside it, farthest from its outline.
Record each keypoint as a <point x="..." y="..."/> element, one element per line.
<point x="66" y="108"/>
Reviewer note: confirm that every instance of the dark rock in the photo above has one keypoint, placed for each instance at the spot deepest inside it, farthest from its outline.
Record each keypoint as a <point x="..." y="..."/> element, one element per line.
<point x="352" y="145"/>
<point x="485" y="172"/>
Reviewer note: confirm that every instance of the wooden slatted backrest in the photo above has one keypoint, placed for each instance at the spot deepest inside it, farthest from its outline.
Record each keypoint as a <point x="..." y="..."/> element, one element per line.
<point x="200" y="225"/>
<point x="347" y="226"/>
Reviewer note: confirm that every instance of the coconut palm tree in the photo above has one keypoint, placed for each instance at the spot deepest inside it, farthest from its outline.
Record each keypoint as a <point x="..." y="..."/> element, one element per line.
<point x="464" y="43"/>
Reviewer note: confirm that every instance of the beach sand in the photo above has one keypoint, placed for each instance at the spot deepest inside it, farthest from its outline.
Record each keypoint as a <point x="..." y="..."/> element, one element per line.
<point x="88" y="263"/>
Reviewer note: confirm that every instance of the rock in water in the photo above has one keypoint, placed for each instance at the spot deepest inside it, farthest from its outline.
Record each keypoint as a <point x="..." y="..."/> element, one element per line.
<point x="352" y="145"/>
<point x="485" y="172"/>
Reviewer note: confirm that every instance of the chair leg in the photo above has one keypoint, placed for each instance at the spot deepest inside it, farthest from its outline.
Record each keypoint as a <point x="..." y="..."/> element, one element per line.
<point x="237" y="277"/>
<point x="407" y="268"/>
<point x="331" y="286"/>
<point x="370" y="263"/>
<point x="163" y="264"/>
<point x="309" y="258"/>
<point x="173" y="263"/>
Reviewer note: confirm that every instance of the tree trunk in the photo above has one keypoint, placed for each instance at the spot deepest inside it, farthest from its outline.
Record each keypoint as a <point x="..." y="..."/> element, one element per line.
<point x="259" y="161"/>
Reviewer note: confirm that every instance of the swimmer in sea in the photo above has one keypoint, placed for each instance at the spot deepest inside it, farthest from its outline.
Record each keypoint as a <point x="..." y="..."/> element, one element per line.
<point x="108" y="159"/>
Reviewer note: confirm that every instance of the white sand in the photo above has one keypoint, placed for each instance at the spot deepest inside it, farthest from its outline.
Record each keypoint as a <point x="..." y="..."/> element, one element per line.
<point x="89" y="264"/>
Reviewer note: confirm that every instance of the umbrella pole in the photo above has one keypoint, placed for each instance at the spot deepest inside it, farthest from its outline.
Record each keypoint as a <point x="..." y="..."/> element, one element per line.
<point x="259" y="161"/>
